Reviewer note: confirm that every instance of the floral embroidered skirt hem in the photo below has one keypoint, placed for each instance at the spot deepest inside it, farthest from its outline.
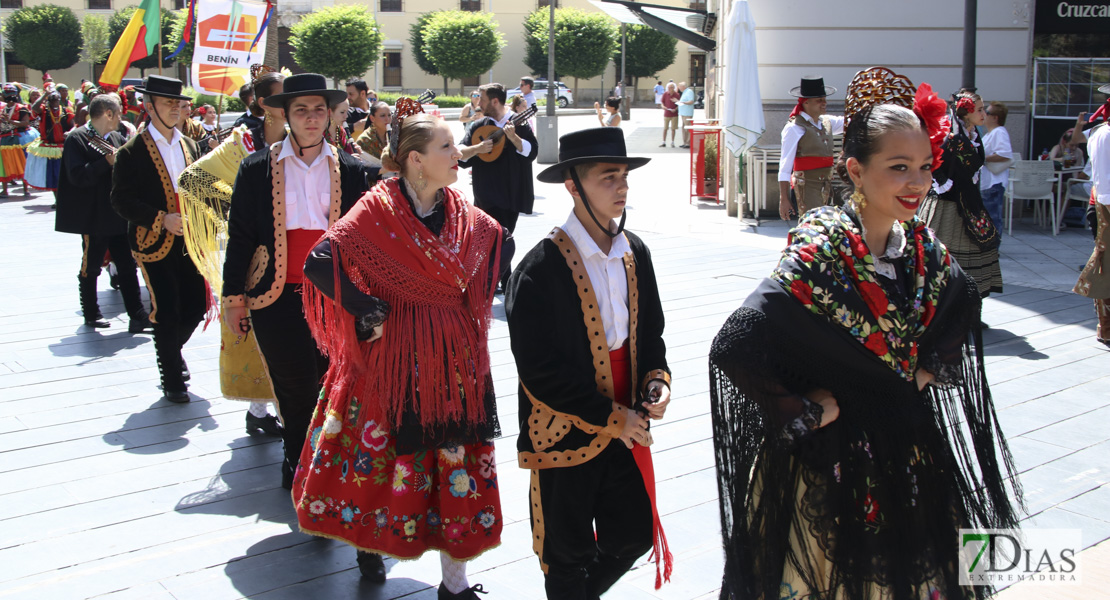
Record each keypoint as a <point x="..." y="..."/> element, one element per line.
<point x="351" y="485"/>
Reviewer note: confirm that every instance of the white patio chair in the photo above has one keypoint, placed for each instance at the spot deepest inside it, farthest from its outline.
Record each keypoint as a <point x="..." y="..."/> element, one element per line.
<point x="1031" y="180"/>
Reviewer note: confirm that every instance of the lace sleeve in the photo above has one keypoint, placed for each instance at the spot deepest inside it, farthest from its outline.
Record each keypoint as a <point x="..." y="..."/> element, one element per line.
<point x="804" y="424"/>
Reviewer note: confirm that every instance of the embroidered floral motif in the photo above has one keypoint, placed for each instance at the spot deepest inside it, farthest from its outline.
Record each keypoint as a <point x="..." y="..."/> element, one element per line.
<point x="826" y="253"/>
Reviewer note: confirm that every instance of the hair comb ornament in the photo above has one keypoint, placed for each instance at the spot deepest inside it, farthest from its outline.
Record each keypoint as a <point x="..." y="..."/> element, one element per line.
<point x="406" y="107"/>
<point x="880" y="85"/>
<point x="260" y="70"/>
<point x="877" y="85"/>
<point x="966" y="103"/>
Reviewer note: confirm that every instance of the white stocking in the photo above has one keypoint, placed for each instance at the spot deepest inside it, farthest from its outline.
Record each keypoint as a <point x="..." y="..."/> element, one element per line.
<point x="454" y="573"/>
<point x="258" y="409"/>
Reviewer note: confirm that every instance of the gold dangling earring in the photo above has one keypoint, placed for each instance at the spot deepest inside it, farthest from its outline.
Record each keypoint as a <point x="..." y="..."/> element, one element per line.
<point x="420" y="183"/>
<point x="269" y="118"/>
<point x="859" y="199"/>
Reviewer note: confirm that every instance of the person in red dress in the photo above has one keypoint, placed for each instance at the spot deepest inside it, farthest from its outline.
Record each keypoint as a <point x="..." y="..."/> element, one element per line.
<point x="400" y="456"/>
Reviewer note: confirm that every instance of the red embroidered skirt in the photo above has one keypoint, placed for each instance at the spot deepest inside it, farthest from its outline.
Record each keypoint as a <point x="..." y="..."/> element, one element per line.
<point x="351" y="485"/>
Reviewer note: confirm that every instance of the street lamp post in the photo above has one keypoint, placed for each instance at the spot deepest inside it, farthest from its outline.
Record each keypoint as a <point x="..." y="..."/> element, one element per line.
<point x="971" y="8"/>
<point x="547" y="123"/>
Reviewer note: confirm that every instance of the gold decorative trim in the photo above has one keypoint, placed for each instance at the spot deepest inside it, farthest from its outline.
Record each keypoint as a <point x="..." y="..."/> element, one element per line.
<point x="659" y="374"/>
<point x="281" y="247"/>
<point x="84" y="256"/>
<point x="145" y="237"/>
<point x="257" y="269"/>
<point x="150" y="289"/>
<point x="539" y="531"/>
<point x="233" y="301"/>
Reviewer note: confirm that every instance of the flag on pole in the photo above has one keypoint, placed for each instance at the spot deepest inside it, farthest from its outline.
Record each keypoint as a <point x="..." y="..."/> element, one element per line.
<point x="137" y="41"/>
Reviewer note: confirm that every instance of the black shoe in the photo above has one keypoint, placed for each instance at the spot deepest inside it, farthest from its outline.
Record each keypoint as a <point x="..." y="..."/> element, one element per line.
<point x="97" y="323"/>
<point x="268" y="424"/>
<point x="372" y="567"/>
<point x="177" y="397"/>
<point x="286" y="474"/>
<point x="140" y="324"/>
<point x="470" y="593"/>
<point x="185" y="375"/>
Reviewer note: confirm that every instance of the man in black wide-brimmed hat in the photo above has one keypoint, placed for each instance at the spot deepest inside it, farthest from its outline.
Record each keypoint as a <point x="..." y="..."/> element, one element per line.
<point x="286" y="195"/>
<point x="586" y="327"/>
<point x="144" y="191"/>
<point x="807" y="149"/>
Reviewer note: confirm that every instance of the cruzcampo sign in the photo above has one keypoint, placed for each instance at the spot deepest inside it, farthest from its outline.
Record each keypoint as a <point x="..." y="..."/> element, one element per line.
<point x="1072" y="16"/>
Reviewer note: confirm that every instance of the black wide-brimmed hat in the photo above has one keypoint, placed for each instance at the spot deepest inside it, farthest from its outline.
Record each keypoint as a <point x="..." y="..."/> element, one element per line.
<point x="305" y="84"/>
<point x="596" y="145"/>
<point x="813" y="87"/>
<point x="167" y="87"/>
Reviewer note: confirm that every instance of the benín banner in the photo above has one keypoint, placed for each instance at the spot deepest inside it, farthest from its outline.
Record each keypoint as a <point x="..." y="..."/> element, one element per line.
<point x="1072" y="16"/>
<point x="222" y="56"/>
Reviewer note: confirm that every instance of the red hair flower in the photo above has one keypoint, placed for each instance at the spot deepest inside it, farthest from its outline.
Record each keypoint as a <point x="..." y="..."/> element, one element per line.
<point x="933" y="113"/>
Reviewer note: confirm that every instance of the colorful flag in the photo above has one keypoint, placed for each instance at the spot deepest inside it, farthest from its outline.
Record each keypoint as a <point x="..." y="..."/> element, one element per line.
<point x="137" y="41"/>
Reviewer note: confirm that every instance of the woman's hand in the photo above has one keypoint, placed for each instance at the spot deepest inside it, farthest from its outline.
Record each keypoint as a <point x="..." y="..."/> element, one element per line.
<point x="831" y="410"/>
<point x="923" y="378"/>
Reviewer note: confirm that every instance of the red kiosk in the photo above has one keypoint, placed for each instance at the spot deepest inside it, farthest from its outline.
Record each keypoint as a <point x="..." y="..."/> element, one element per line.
<point x="705" y="160"/>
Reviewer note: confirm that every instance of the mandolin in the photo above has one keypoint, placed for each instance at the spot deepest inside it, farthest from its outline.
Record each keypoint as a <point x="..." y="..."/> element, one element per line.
<point x="101" y="145"/>
<point x="497" y="134"/>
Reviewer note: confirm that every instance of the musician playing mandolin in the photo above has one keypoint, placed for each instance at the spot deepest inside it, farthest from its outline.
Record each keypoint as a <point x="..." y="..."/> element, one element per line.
<point x="503" y="184"/>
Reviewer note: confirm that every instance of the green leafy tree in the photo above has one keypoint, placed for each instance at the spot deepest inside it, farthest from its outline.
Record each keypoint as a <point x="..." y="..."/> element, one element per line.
<point x="337" y="42"/>
<point x="416" y="42"/>
<point x="584" y="43"/>
<point x="649" y="51"/>
<point x="94" y="40"/>
<point x="45" y="37"/>
<point x="186" y="56"/>
<point x="119" y="22"/>
<point x="462" y="44"/>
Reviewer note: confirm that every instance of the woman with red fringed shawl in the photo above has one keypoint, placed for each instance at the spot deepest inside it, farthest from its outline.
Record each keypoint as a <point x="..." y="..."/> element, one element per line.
<point x="400" y="453"/>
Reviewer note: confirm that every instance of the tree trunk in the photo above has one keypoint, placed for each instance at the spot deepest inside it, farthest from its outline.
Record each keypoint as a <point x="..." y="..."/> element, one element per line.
<point x="462" y="92"/>
<point x="635" y="85"/>
<point x="575" y="93"/>
<point x="271" y="54"/>
<point x="445" y="92"/>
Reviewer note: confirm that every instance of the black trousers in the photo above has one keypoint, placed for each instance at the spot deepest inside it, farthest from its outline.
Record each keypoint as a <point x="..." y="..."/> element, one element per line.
<point x="93" y="248"/>
<point x="605" y="495"/>
<point x="295" y="364"/>
<point x="179" y="300"/>
<point x="507" y="217"/>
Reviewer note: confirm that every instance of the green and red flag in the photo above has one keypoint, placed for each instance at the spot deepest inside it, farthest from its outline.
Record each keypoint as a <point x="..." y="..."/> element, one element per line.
<point x="137" y="41"/>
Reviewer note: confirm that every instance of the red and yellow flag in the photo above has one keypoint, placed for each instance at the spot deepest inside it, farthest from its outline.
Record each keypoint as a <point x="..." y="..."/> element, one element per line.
<point x="137" y="41"/>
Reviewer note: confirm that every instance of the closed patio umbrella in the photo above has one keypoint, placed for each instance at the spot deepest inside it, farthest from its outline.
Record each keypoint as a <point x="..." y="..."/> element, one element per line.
<point x="743" y="106"/>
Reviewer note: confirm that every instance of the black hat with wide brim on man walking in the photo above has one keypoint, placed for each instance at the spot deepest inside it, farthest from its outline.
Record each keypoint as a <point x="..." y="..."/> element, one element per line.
<point x="166" y="87"/>
<point x="305" y="84"/>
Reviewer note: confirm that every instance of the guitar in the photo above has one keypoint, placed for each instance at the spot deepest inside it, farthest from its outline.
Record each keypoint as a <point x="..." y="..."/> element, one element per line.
<point x="497" y="134"/>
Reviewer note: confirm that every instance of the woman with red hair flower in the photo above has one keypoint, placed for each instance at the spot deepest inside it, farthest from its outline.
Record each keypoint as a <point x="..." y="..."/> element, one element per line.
<point x="956" y="211"/>
<point x="850" y="476"/>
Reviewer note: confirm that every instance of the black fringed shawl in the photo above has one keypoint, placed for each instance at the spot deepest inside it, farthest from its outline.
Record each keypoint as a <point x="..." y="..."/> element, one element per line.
<point x="883" y="489"/>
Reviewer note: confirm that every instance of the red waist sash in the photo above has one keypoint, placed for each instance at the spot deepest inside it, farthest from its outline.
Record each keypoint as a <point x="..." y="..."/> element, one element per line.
<point x="808" y="163"/>
<point x="620" y="361"/>
<point x="301" y="242"/>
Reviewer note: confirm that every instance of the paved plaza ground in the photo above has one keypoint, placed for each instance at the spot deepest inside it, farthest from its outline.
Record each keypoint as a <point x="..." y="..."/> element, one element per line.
<point x="106" y="491"/>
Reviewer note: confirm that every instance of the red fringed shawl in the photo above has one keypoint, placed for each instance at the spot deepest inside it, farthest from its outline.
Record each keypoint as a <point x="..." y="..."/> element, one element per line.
<point x="433" y="356"/>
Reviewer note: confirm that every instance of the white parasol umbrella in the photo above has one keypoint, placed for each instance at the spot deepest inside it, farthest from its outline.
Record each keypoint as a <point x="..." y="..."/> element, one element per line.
<point x="743" y="106"/>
